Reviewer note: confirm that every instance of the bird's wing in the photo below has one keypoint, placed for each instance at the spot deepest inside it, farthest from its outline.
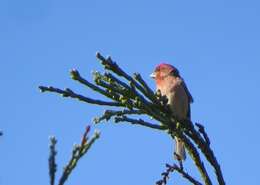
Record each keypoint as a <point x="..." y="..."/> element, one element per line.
<point x="189" y="112"/>
<point x="187" y="91"/>
<point x="175" y="73"/>
<point x="190" y="99"/>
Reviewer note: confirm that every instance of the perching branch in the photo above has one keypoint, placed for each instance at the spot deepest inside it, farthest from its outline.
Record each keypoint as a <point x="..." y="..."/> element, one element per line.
<point x="133" y="97"/>
<point x="78" y="152"/>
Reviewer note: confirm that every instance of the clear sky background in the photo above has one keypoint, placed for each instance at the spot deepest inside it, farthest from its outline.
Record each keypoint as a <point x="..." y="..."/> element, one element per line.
<point x="214" y="44"/>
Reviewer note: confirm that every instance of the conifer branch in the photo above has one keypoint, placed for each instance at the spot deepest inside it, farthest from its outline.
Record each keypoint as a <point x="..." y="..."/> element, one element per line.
<point x="132" y="96"/>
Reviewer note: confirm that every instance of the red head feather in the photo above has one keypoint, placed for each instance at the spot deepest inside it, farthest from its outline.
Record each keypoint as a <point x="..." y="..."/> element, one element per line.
<point x="165" y="66"/>
<point x="166" y="69"/>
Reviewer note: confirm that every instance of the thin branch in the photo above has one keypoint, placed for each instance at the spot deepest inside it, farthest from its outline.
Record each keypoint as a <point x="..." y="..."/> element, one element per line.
<point x="203" y="132"/>
<point x="187" y="176"/>
<point x="148" y="91"/>
<point x="75" y="75"/>
<point x="78" y="152"/>
<point x="117" y="92"/>
<point x="171" y="169"/>
<point x="69" y="93"/>
<point x="128" y="92"/>
<point x="108" y="114"/>
<point x="112" y="66"/>
<point x="116" y="80"/>
<point x="139" y="122"/>
<point x="52" y="161"/>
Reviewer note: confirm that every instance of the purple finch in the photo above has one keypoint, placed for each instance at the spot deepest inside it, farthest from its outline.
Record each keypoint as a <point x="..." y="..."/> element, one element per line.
<point x="170" y="84"/>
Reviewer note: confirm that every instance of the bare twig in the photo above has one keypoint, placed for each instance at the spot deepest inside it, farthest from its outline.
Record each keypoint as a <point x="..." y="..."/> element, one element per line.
<point x="52" y="161"/>
<point x="203" y="132"/>
<point x="75" y="75"/>
<point x="139" y="122"/>
<point x="147" y="90"/>
<point x="108" y="114"/>
<point x="78" y="152"/>
<point x="176" y="168"/>
<point x="112" y="66"/>
<point x="69" y="93"/>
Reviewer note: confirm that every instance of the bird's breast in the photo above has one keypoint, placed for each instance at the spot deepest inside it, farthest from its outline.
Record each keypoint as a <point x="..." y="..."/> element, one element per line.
<point x="177" y="98"/>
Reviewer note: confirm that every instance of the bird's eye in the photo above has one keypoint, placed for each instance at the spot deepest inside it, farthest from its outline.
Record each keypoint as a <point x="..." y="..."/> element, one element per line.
<point x="175" y="73"/>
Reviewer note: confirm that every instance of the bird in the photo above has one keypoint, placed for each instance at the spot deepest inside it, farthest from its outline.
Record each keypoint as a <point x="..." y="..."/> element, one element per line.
<point x="171" y="84"/>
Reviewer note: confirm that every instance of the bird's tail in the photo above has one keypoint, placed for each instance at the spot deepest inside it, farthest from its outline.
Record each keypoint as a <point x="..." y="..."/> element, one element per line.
<point x="180" y="153"/>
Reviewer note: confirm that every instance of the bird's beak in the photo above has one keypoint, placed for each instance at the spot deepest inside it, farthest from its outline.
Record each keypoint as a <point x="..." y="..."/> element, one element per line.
<point x="152" y="75"/>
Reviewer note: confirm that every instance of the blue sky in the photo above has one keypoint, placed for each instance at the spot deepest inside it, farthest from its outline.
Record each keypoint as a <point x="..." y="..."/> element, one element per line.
<point x="215" y="45"/>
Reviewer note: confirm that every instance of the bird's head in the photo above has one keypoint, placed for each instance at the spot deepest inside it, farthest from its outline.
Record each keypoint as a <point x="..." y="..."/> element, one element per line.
<point x="164" y="70"/>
